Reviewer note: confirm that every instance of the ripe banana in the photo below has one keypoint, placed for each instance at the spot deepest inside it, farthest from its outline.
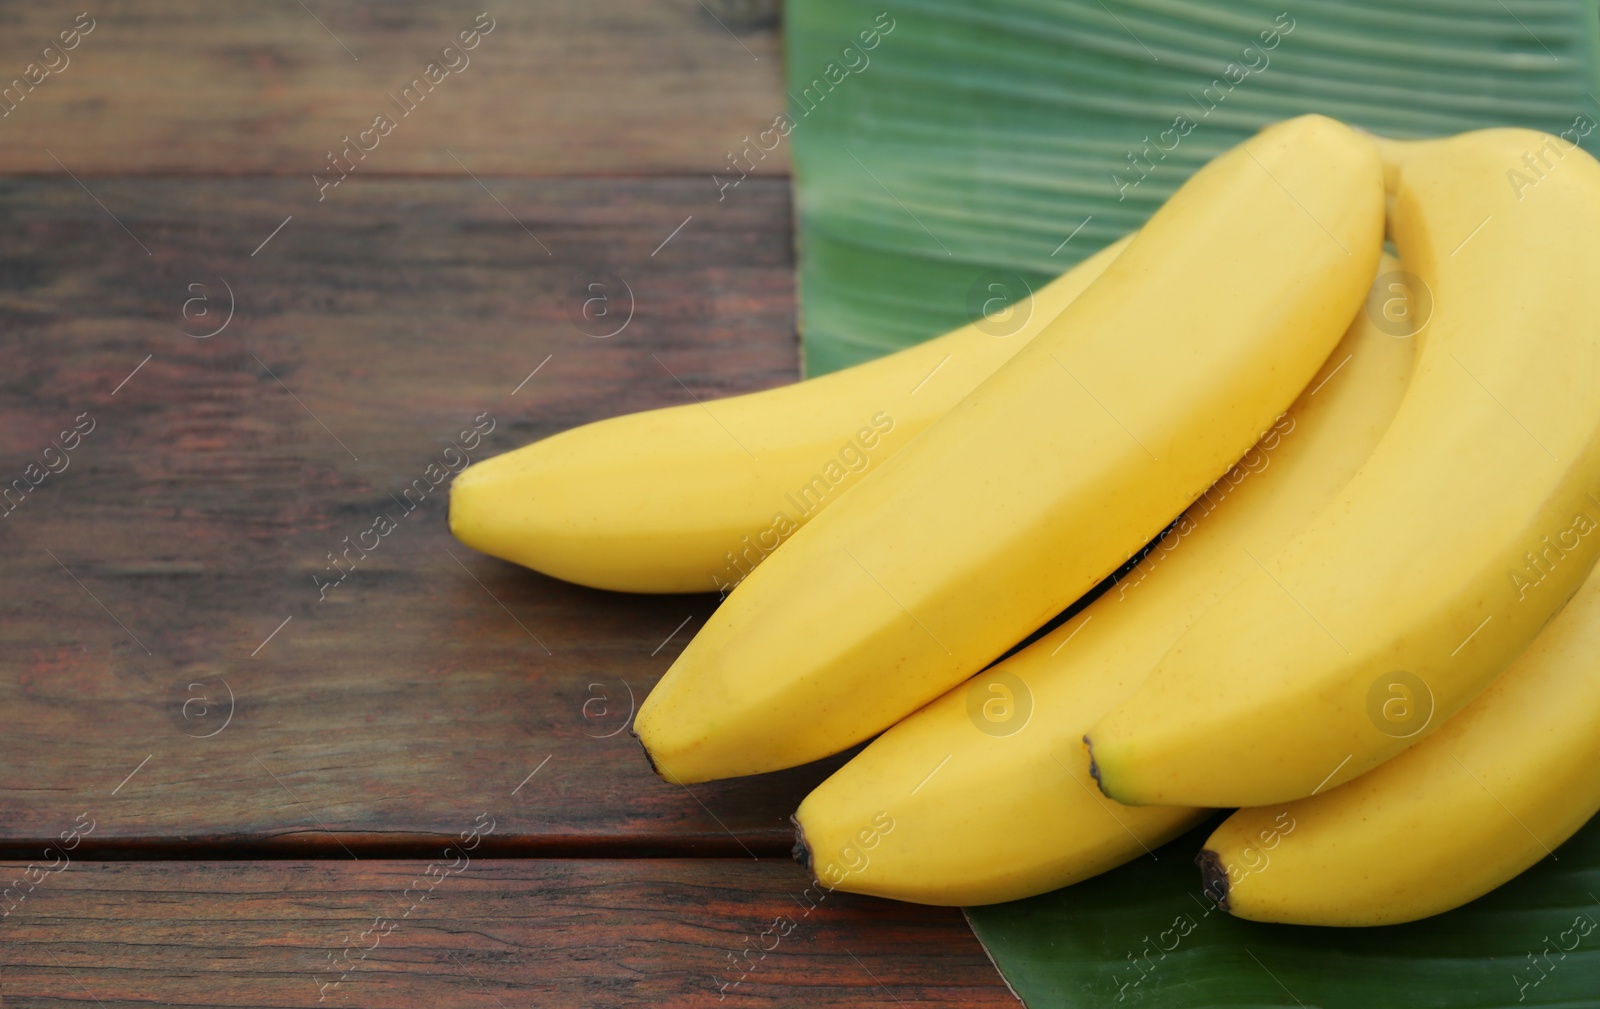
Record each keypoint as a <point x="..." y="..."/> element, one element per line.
<point x="1049" y="475"/>
<point x="985" y="794"/>
<point x="1464" y="533"/>
<point x="1492" y="792"/>
<point x="690" y="498"/>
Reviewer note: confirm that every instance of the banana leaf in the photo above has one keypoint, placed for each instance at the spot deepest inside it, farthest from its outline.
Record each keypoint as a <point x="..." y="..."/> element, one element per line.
<point x="948" y="153"/>
<point x="1145" y="935"/>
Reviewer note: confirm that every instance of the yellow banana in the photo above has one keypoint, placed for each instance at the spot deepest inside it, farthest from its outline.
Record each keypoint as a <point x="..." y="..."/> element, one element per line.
<point x="690" y="498"/>
<point x="1464" y="533"/>
<point x="1492" y="792"/>
<point x="985" y="794"/>
<point x="1050" y="474"/>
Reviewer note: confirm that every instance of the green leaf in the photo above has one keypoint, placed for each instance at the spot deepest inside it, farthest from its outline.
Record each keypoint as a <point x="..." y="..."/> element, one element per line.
<point x="976" y="136"/>
<point x="991" y="141"/>
<point x="1099" y="943"/>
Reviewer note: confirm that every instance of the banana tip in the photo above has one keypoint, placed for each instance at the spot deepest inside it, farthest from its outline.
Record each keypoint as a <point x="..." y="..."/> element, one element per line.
<point x="463" y="497"/>
<point x="452" y="499"/>
<point x="648" y="758"/>
<point x="1214" y="877"/>
<point x="1094" y="768"/>
<point x="801" y="850"/>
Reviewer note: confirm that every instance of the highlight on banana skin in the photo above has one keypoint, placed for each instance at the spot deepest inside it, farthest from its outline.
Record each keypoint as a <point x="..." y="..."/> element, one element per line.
<point x="1348" y="481"/>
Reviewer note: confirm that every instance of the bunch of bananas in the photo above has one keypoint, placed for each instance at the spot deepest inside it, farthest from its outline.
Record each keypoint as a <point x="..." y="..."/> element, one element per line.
<point x="1371" y="629"/>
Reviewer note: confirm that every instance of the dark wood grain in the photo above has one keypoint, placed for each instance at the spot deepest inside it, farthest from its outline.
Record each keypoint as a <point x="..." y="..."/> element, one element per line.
<point x="559" y="87"/>
<point x="198" y="513"/>
<point x="513" y="933"/>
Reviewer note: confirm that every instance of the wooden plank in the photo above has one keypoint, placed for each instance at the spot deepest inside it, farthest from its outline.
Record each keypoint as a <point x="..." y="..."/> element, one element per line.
<point x="555" y="88"/>
<point x="677" y="932"/>
<point x="174" y="562"/>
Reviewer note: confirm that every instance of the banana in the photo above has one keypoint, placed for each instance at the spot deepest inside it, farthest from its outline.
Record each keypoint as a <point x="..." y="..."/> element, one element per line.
<point x="1463" y="534"/>
<point x="985" y="794"/>
<point x="1054" y="471"/>
<point x="1498" y="787"/>
<point x="690" y="498"/>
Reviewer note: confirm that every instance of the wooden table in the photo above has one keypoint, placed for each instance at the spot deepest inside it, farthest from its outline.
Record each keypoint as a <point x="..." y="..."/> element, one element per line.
<point x="247" y="765"/>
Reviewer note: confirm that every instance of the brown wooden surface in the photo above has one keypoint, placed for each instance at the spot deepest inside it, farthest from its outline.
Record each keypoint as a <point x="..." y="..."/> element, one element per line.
<point x="514" y="933"/>
<point x="559" y="87"/>
<point x="207" y="497"/>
